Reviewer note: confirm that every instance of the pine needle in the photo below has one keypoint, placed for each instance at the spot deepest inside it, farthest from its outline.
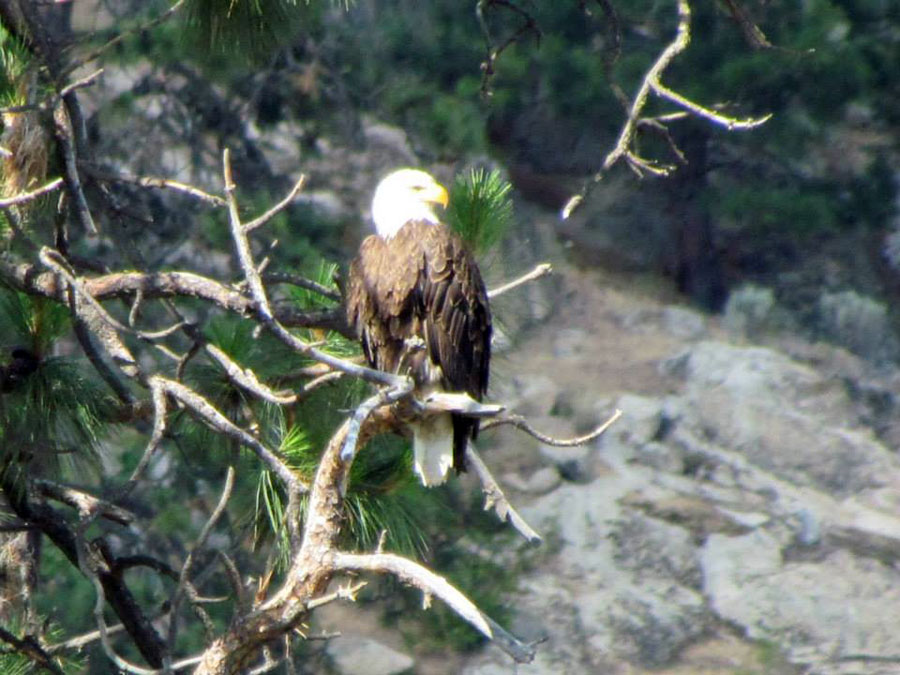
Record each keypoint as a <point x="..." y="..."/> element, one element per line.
<point x="480" y="208"/>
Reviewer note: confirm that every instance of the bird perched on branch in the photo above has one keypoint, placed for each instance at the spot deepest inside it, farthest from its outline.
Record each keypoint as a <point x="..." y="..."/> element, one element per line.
<point x="416" y="300"/>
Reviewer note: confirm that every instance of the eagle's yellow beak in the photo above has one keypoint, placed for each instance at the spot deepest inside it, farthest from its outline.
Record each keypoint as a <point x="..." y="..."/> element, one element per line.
<point x="437" y="194"/>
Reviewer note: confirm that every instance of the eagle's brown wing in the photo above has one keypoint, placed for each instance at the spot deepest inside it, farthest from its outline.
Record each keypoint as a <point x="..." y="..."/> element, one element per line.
<point x="424" y="283"/>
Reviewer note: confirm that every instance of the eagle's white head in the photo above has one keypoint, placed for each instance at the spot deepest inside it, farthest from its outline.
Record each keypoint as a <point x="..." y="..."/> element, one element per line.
<point x="404" y="195"/>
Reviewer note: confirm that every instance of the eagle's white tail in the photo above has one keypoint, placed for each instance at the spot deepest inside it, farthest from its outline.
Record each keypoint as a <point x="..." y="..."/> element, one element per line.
<point x="433" y="449"/>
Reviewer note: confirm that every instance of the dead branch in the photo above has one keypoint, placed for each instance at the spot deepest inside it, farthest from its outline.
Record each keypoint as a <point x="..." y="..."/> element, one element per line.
<point x="208" y="414"/>
<point x="152" y="182"/>
<point x="301" y="282"/>
<point x="431" y="584"/>
<point x="30" y="647"/>
<point x="65" y="138"/>
<point x="246" y="378"/>
<point x="81" y="641"/>
<point x="541" y="270"/>
<point x="385" y="396"/>
<point x="496" y="500"/>
<point x="652" y="84"/>
<point x="492" y="51"/>
<point x="175" y="598"/>
<point x="280" y="206"/>
<point x="97" y="53"/>
<point x="522" y="424"/>
<point x="84" y="502"/>
<point x="25" y="197"/>
<point x="28" y="279"/>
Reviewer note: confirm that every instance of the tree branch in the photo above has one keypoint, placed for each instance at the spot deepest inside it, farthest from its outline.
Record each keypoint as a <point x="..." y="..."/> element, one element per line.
<point x="431" y="584"/>
<point x="496" y="500"/>
<point x="522" y="424"/>
<point x="652" y="83"/>
<point x="541" y="270"/>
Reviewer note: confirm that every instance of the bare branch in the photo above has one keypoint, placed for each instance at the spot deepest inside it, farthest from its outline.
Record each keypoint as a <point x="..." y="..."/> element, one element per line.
<point x="85" y="81"/>
<point x="97" y="53"/>
<point x="541" y="270"/>
<point x="280" y="206"/>
<point x="153" y="182"/>
<point x="246" y="378"/>
<point x="301" y="282"/>
<point x="383" y="397"/>
<point x="348" y="592"/>
<point x="28" y="279"/>
<point x="496" y="500"/>
<point x="216" y="420"/>
<point x="175" y="599"/>
<point x="80" y="642"/>
<point x="729" y="123"/>
<point x="25" y="197"/>
<point x="84" y="502"/>
<point x="64" y="135"/>
<point x="521" y="423"/>
<point x="429" y="583"/>
<point x="30" y="647"/>
<point x="652" y="83"/>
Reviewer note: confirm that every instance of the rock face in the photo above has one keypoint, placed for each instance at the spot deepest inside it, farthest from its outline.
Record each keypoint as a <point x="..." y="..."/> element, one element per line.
<point x="358" y="655"/>
<point x="749" y="499"/>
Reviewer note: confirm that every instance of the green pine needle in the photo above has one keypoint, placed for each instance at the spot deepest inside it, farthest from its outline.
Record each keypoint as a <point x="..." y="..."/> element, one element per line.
<point x="324" y="276"/>
<point x="50" y="421"/>
<point x="480" y="209"/>
<point x="31" y="322"/>
<point x="252" y="28"/>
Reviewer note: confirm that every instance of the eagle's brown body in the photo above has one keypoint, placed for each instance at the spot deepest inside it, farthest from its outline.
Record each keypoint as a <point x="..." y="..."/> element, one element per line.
<point x="419" y="306"/>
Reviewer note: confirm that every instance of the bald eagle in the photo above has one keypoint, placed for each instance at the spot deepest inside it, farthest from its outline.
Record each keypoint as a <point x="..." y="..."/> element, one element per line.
<point x="416" y="300"/>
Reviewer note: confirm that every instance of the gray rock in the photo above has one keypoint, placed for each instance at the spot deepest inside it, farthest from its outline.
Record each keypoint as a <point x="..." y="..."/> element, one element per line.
<point x="543" y="480"/>
<point x="390" y="140"/>
<point x="575" y="465"/>
<point x="683" y="322"/>
<point x="822" y="610"/>
<point x="358" y="655"/>
<point x="783" y="416"/>
<point x="641" y="418"/>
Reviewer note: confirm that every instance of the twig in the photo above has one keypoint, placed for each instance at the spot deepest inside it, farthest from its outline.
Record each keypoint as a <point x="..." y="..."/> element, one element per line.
<point x="78" y="643"/>
<point x="85" y="81"/>
<point x="84" y="502"/>
<point x="121" y="36"/>
<point x="342" y="593"/>
<point x="652" y="83"/>
<point x="246" y="378"/>
<point x="24" y="197"/>
<point x="492" y="52"/>
<point x="522" y="424"/>
<point x="496" y="500"/>
<point x="154" y="182"/>
<point x="175" y="599"/>
<point x="30" y="647"/>
<point x="317" y="382"/>
<point x="539" y="271"/>
<point x="729" y="123"/>
<point x="65" y="138"/>
<point x="301" y="282"/>
<point x="280" y="206"/>
<point x="111" y="654"/>
<point x="158" y="397"/>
